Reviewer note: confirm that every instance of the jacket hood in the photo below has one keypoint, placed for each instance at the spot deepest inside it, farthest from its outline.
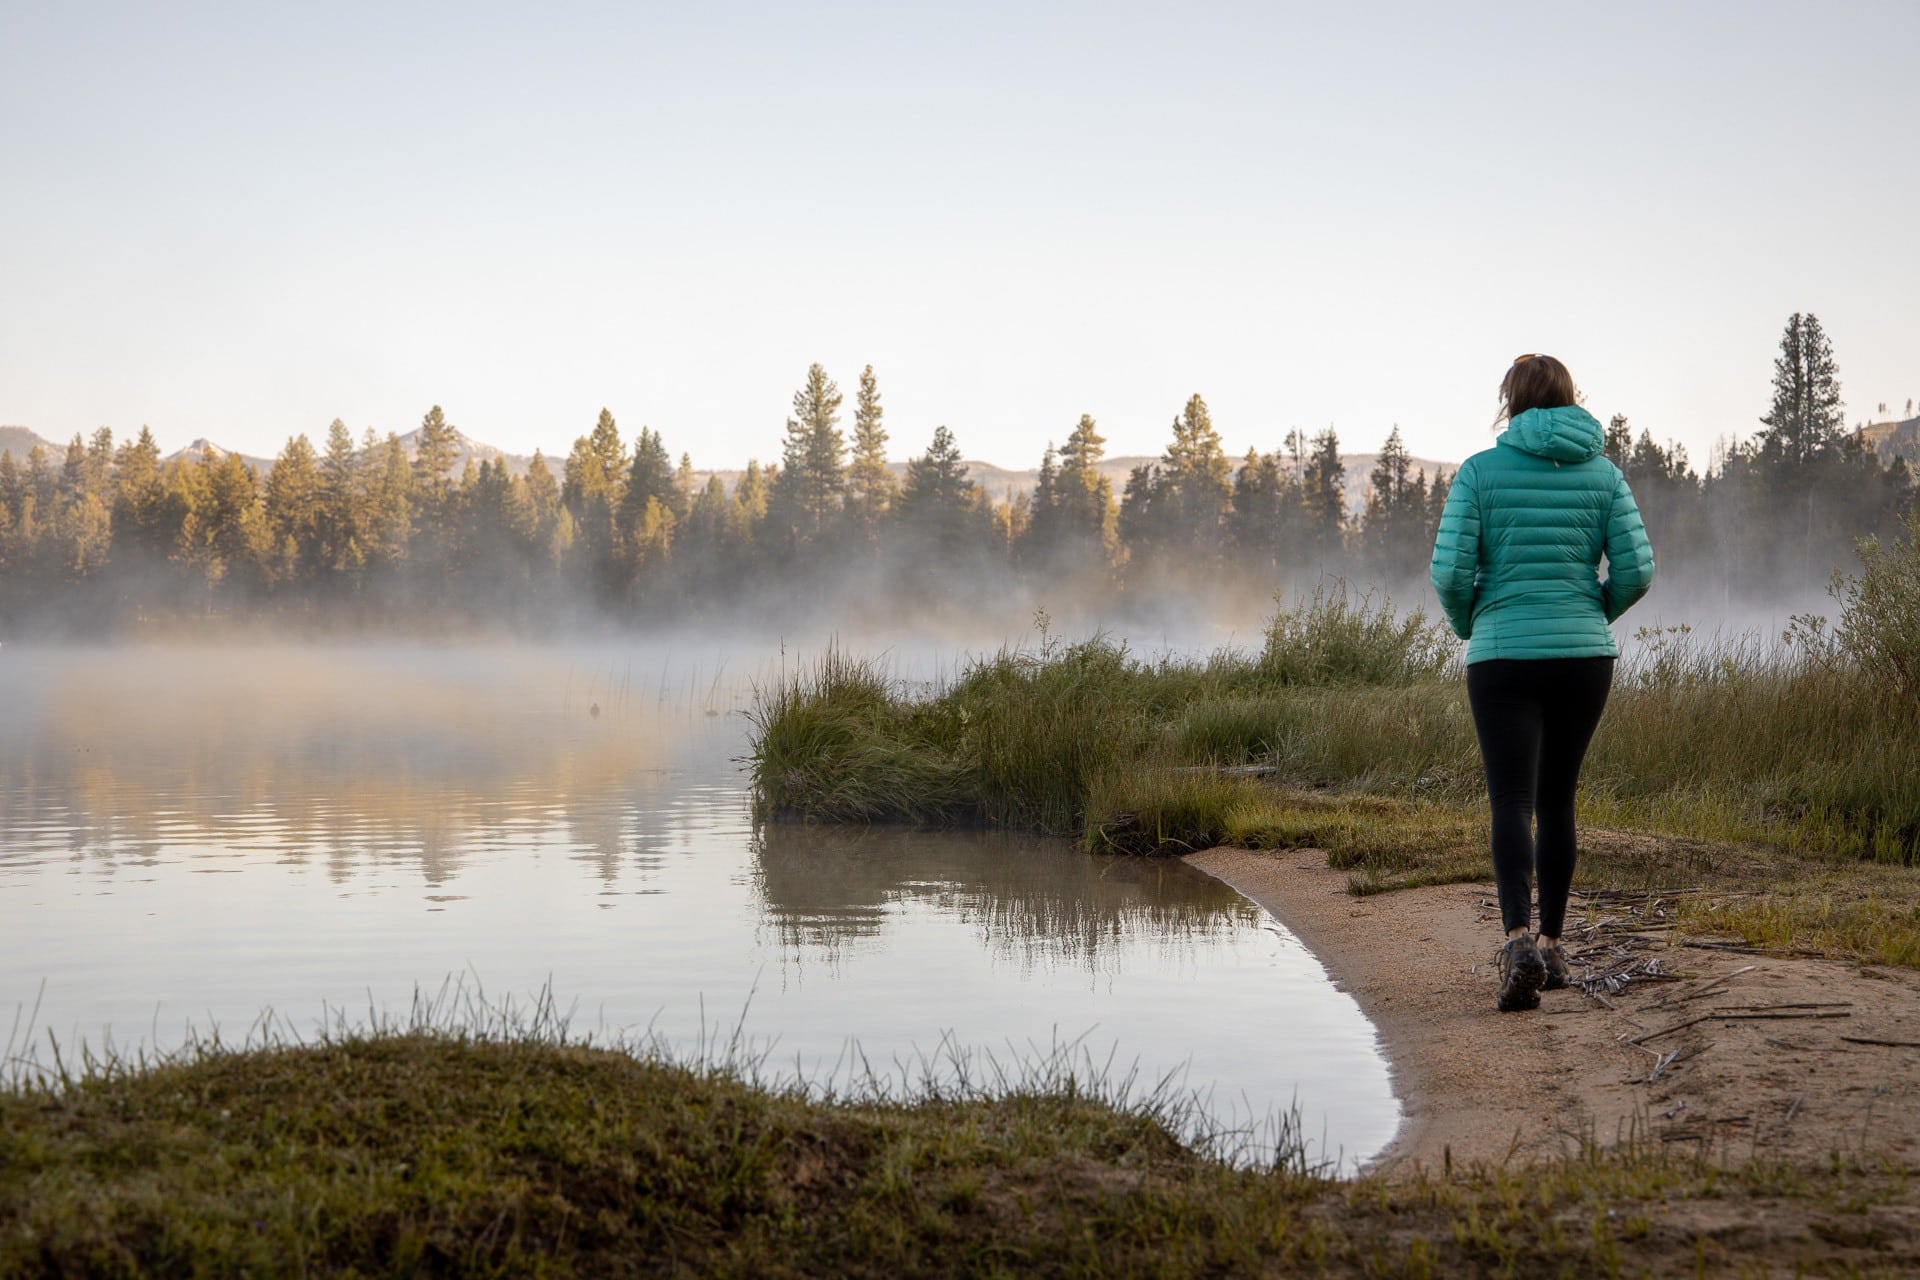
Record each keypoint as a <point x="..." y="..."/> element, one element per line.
<point x="1567" y="434"/>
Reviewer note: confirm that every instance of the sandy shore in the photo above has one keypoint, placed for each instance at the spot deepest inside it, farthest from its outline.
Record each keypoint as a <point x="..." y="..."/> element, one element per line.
<point x="1774" y="1058"/>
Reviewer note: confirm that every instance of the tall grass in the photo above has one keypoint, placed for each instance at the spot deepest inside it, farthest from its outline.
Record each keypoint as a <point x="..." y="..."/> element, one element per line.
<point x="1799" y="746"/>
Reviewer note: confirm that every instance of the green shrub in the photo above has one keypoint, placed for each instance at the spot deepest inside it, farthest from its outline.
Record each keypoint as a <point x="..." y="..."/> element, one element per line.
<point x="1879" y="626"/>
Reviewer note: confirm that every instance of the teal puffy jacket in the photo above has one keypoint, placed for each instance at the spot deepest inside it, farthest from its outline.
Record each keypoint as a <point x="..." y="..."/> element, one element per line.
<point x="1516" y="563"/>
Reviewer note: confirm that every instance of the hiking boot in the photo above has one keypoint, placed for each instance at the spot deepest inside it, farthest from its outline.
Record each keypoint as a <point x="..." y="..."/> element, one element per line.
<point x="1558" y="977"/>
<point x="1522" y="974"/>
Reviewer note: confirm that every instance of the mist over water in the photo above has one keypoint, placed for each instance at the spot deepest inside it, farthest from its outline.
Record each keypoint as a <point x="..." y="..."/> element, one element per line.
<point x="191" y="835"/>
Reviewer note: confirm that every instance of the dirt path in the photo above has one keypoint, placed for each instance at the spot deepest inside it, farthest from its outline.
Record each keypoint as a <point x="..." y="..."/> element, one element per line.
<point x="1749" y="1077"/>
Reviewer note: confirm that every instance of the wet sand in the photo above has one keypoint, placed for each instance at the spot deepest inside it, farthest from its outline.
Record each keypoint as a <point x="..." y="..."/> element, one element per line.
<point x="1748" y="1077"/>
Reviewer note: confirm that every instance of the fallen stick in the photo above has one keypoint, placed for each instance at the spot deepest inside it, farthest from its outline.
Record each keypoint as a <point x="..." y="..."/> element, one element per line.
<point x="1811" y="1013"/>
<point x="1740" y="948"/>
<point x="1763" y="1008"/>
<point x="1717" y="1015"/>
<point x="1890" y="1044"/>
<point x="1641" y="1041"/>
<point x="1720" y="981"/>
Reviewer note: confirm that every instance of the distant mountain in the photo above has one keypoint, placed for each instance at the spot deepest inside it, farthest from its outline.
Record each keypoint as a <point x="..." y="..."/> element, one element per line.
<point x="205" y="448"/>
<point x="20" y="442"/>
<point x="467" y="449"/>
<point x="1888" y="439"/>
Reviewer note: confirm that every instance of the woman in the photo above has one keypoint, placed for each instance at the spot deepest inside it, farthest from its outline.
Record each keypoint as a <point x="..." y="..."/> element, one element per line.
<point x="1516" y="566"/>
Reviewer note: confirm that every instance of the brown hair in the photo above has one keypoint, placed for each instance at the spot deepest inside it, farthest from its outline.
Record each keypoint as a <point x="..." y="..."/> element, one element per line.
<point x="1536" y="382"/>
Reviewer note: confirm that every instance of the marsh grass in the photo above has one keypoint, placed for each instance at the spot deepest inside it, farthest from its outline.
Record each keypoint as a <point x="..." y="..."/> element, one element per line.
<point x="469" y="1140"/>
<point x="1350" y="732"/>
<point x="1726" y="740"/>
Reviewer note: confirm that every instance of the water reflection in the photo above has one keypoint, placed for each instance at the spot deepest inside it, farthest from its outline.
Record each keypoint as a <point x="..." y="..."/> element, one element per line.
<point x="336" y="758"/>
<point x="1034" y="902"/>
<point x="187" y="839"/>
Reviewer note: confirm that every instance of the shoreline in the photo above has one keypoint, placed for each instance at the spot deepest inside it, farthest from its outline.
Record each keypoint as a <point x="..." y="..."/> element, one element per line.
<point x="1786" y="1057"/>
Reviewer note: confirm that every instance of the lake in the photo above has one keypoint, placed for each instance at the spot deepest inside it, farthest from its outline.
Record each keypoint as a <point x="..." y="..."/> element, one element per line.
<point x="193" y="836"/>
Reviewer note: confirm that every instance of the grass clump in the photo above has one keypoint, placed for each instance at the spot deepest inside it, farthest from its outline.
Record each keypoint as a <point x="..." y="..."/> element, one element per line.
<point x="1045" y="741"/>
<point x="837" y="743"/>
<point x="1331" y="639"/>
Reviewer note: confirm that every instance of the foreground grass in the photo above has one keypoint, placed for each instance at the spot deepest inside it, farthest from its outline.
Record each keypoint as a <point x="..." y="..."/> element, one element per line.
<point x="429" y="1153"/>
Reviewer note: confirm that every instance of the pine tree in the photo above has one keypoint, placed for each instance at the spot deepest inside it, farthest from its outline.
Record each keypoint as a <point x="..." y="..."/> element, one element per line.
<point x="1807" y="417"/>
<point x="683" y="487"/>
<point x="592" y="488"/>
<point x="224" y="535"/>
<point x="704" y="536"/>
<point x="1258" y="525"/>
<point x="97" y="471"/>
<point x="1141" y="520"/>
<point x="607" y="453"/>
<point x="73" y="472"/>
<point x="749" y="505"/>
<point x="1085" y="494"/>
<point x="871" y="488"/>
<point x="1324" y="496"/>
<point x="293" y="511"/>
<point x="390" y="502"/>
<point x="649" y="479"/>
<point x="139" y="502"/>
<point x="1197" y="472"/>
<point x="941" y="509"/>
<point x="1393" y="522"/>
<point x="544" y="514"/>
<point x="812" y="477"/>
<point x="82" y="524"/>
<point x="1619" y="441"/>
<point x="1039" y="515"/>
<point x="339" y="500"/>
<point x="435" y="448"/>
<point x="646" y="518"/>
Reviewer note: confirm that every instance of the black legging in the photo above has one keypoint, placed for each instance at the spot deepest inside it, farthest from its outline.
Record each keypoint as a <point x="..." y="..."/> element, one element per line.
<point x="1535" y="717"/>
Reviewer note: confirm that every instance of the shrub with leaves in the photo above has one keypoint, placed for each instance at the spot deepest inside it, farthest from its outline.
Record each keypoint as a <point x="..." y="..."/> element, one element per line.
<point x="1880" y="611"/>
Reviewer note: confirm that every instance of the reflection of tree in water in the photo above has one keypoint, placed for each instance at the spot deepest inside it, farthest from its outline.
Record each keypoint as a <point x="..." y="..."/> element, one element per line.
<point x="1038" y="902"/>
<point x="355" y="771"/>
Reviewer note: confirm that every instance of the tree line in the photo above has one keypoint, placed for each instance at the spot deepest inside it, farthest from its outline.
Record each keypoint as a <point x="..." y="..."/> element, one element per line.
<point x="369" y="530"/>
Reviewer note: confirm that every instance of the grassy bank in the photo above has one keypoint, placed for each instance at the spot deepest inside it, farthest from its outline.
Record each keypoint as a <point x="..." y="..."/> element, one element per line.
<point x="436" y="1153"/>
<point x="1744" y="744"/>
<point x="1772" y="771"/>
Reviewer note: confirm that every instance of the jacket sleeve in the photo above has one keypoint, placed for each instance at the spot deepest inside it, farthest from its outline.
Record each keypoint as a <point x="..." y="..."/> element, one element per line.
<point x="1629" y="554"/>
<point x="1456" y="553"/>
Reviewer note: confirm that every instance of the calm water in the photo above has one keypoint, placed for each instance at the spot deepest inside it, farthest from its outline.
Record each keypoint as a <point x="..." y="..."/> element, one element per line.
<point x="189" y="837"/>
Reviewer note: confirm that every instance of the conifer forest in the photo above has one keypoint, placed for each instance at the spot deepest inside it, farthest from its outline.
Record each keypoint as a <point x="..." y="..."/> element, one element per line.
<point x="380" y="531"/>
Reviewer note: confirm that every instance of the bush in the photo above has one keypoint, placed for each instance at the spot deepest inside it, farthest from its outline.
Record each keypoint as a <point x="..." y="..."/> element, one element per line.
<point x="1880" y="612"/>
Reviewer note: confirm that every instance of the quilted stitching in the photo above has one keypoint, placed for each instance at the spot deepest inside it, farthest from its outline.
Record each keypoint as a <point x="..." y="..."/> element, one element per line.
<point x="1516" y="562"/>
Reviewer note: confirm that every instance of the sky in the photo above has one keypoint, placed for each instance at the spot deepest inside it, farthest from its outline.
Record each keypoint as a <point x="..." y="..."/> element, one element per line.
<point x="241" y="221"/>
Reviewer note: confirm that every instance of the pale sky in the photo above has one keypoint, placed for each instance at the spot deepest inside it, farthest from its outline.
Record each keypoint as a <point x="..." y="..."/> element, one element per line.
<point x="242" y="221"/>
